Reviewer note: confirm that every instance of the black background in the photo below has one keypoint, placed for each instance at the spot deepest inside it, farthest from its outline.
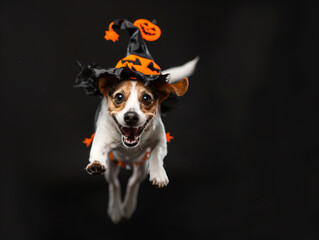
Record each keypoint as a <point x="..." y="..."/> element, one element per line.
<point x="244" y="160"/>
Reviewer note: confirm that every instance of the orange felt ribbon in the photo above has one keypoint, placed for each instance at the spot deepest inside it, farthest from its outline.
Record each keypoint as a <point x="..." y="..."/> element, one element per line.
<point x="123" y="165"/>
<point x="88" y="141"/>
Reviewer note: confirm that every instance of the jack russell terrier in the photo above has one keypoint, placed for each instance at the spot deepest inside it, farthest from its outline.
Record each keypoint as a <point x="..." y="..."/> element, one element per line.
<point x="129" y="129"/>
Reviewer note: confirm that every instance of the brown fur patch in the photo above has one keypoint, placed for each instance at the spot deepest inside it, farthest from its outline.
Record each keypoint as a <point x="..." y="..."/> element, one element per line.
<point x="105" y="83"/>
<point x="164" y="90"/>
<point x="123" y="88"/>
<point x="148" y="110"/>
<point x="178" y="88"/>
<point x="181" y="87"/>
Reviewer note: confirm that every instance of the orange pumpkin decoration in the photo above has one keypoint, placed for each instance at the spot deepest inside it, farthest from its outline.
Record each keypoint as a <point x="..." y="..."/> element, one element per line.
<point x="149" y="30"/>
<point x="139" y="64"/>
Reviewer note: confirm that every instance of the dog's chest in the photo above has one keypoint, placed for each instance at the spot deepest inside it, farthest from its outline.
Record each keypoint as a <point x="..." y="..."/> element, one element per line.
<point x="128" y="156"/>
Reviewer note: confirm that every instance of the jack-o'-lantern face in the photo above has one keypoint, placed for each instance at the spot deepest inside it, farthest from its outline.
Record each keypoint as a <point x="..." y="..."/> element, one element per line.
<point x="149" y="30"/>
<point x="139" y="64"/>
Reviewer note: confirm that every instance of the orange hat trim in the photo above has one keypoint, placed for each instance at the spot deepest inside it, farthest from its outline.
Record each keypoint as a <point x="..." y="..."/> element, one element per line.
<point x="139" y="64"/>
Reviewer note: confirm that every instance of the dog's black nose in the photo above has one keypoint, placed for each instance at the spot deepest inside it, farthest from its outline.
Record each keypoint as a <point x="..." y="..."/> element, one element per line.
<point x="131" y="118"/>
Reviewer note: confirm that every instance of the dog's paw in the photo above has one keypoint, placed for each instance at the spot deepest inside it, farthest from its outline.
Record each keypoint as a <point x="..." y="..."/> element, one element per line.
<point x="95" y="168"/>
<point x="159" y="178"/>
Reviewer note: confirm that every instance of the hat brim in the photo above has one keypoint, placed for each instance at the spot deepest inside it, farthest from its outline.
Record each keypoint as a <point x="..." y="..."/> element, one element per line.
<point x="88" y="78"/>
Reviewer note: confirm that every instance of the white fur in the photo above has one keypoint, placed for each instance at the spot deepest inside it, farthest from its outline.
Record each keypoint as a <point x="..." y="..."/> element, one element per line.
<point x="178" y="73"/>
<point x="132" y="105"/>
<point x="108" y="139"/>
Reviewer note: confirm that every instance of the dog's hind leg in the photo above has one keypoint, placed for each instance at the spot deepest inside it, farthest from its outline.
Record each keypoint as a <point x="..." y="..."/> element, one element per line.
<point x="114" y="206"/>
<point x="130" y="201"/>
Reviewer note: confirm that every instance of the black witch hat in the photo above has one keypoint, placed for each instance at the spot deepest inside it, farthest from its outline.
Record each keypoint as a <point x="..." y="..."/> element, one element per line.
<point x="138" y="63"/>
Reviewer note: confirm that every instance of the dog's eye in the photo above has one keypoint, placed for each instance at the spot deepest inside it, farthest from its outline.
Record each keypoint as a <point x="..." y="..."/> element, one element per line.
<point x="147" y="100"/>
<point x="118" y="98"/>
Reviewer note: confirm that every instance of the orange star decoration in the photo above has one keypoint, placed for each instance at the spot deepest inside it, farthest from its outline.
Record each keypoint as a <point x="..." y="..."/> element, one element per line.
<point x="169" y="137"/>
<point x="111" y="34"/>
<point x="88" y="141"/>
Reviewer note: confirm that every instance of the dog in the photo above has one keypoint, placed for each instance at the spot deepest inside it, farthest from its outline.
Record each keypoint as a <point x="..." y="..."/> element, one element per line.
<point x="130" y="132"/>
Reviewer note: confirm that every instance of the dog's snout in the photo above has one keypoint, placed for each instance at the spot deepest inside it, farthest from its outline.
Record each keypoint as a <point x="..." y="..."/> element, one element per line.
<point x="131" y="118"/>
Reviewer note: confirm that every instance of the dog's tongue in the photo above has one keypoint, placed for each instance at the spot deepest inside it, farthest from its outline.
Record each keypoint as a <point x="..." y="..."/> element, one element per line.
<point x="134" y="131"/>
<point x="129" y="131"/>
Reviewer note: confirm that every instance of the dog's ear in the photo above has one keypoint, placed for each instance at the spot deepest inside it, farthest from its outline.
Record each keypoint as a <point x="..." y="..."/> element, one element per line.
<point x="105" y="83"/>
<point x="179" y="89"/>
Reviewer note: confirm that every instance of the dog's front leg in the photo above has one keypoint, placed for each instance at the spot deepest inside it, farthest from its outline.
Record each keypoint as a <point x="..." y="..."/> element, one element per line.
<point x="99" y="150"/>
<point x="157" y="172"/>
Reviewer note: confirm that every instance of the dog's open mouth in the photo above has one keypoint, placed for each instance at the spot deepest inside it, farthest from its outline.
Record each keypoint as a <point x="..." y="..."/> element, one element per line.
<point x="131" y="135"/>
